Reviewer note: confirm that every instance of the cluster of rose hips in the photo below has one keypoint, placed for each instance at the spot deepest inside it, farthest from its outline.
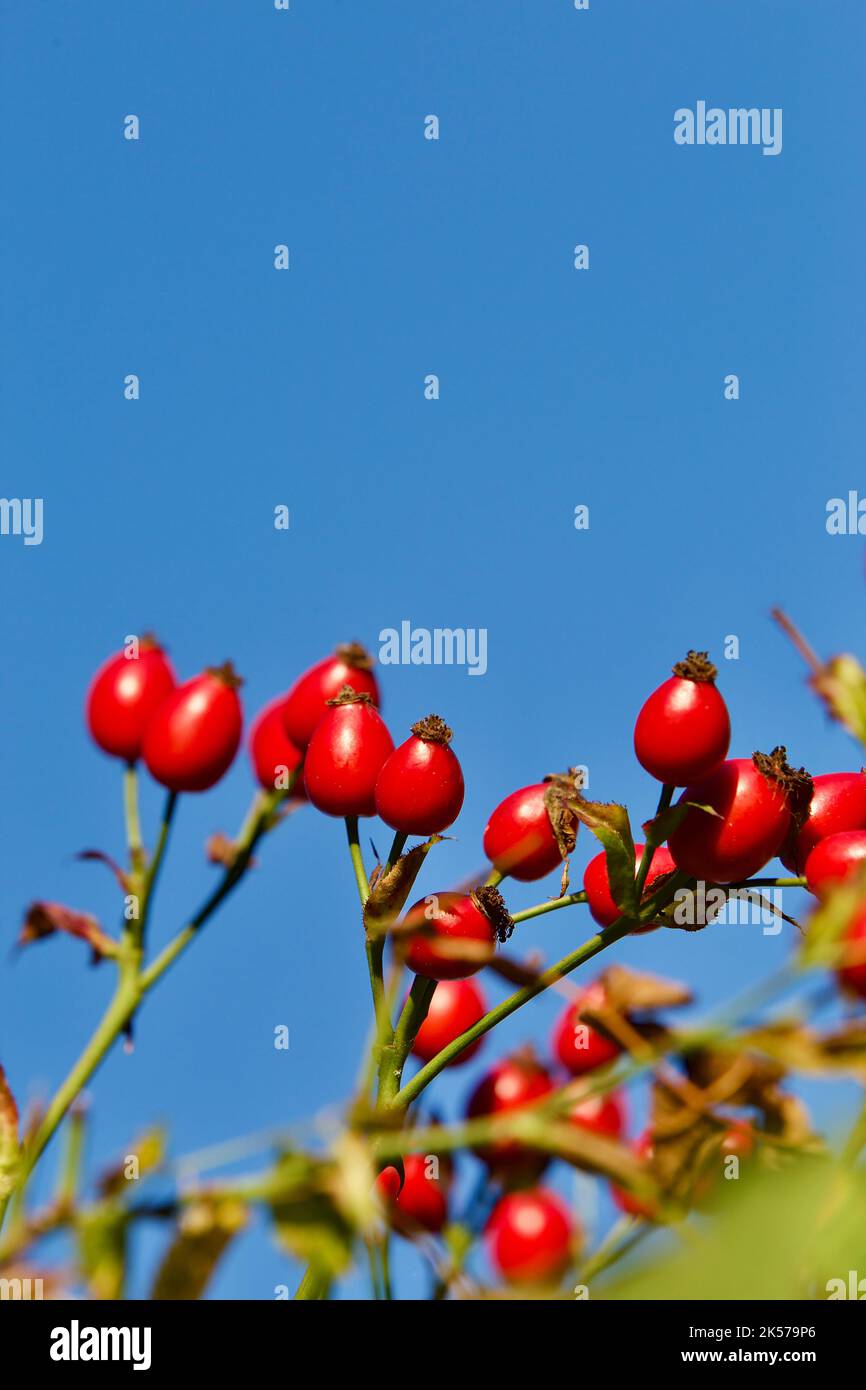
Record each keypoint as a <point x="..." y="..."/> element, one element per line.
<point x="326" y="740"/>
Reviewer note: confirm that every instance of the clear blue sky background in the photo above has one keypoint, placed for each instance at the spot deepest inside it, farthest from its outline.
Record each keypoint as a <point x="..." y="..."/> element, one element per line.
<point x="306" y="388"/>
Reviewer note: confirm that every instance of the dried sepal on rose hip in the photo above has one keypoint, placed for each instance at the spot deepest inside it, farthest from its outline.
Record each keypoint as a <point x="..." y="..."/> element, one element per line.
<point x="347" y="752"/>
<point x="195" y="733"/>
<point x="420" y="788"/>
<point x="533" y="830"/>
<point x="753" y="804"/>
<point x="453" y="935"/>
<point x="307" y="700"/>
<point x="273" y="756"/>
<point x="123" y="696"/>
<point x="683" y="730"/>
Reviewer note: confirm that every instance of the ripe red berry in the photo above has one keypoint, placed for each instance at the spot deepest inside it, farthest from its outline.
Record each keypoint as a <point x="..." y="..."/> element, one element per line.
<point x="510" y="1084"/>
<point x="628" y="1202"/>
<point x="346" y="755"/>
<point x="835" y="859"/>
<point x="683" y="730"/>
<point x="852" y="971"/>
<point x="838" y="803"/>
<point x="452" y="935"/>
<point x="192" y="738"/>
<point x="306" y="701"/>
<point x="456" y="1005"/>
<point x="753" y="799"/>
<point x="273" y="755"/>
<point x="596" y="883"/>
<point x="580" y="1047"/>
<point x="601" y="1114"/>
<point x="420" y="1204"/>
<point x="420" y="787"/>
<point x="532" y="830"/>
<point x="125" y="692"/>
<point x="530" y="1236"/>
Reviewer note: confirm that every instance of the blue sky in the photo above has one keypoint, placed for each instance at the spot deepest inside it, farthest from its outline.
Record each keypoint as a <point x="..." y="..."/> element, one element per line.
<point x="258" y="387"/>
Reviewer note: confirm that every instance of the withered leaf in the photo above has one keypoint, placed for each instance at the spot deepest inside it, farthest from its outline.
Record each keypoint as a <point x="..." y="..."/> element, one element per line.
<point x="205" y="1229"/>
<point x="44" y="919"/>
<point x="9" y="1145"/>
<point x="390" y="891"/>
<point x="633" y="991"/>
<point x="609" y="822"/>
<point x="841" y="684"/>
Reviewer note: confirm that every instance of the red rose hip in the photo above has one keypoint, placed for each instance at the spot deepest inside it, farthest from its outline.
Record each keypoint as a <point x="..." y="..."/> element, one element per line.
<point x="753" y="799"/>
<point x="420" y="1204"/>
<point x="532" y="830"/>
<point x="420" y="788"/>
<point x="683" y="731"/>
<point x="578" y="1046"/>
<point x="517" y="1081"/>
<point x="601" y="1114"/>
<point x="456" y="1005"/>
<point x="124" y="694"/>
<point x="273" y="755"/>
<point x="308" y="698"/>
<point x="852" y="971"/>
<point x="529" y="1237"/>
<point x="838" y="803"/>
<point x="345" y="756"/>
<point x="453" y="935"/>
<point x="835" y="859"/>
<point x="596" y="883"/>
<point x="193" y="737"/>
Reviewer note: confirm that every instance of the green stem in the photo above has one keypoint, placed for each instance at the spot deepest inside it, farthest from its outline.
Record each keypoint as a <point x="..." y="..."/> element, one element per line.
<point x="314" y="1285"/>
<point x="151" y="874"/>
<point x="132" y="819"/>
<point x="410" y="1092"/>
<point x="552" y="905"/>
<point x="357" y="859"/>
<point x="73" y="1154"/>
<point x="396" y="850"/>
<point x="410" y="1020"/>
<point x="665" y="798"/>
<point x="493" y="879"/>
<point x="115" y="1018"/>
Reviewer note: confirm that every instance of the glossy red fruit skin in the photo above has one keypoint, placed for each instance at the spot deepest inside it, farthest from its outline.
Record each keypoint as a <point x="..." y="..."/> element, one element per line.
<point x="596" y="883"/>
<point x="420" y="1204"/>
<point x="193" y="737"/>
<point x="755" y="820"/>
<point x="420" y="788"/>
<point x="271" y="750"/>
<point x="683" y="731"/>
<point x="510" y="1084"/>
<point x="838" y="803"/>
<point x="529" y="1237"/>
<point x="627" y="1201"/>
<point x="454" y="919"/>
<point x="307" y="700"/>
<point x="852" y="976"/>
<point x="835" y="859"/>
<point x="456" y="1005"/>
<point x="603" y="1115"/>
<point x="123" y="696"/>
<point x="519" y="838"/>
<point x="578" y="1046"/>
<point x="344" y="758"/>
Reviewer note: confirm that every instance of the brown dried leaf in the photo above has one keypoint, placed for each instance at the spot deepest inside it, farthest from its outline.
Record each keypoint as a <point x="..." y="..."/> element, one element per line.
<point x="633" y="991"/>
<point x="44" y="919"/>
<point x="205" y="1229"/>
<point x="390" y="890"/>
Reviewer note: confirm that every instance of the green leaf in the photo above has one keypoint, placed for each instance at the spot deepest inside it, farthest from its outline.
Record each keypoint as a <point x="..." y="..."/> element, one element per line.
<point x="842" y="686"/>
<point x="609" y="823"/>
<point x="102" y="1236"/>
